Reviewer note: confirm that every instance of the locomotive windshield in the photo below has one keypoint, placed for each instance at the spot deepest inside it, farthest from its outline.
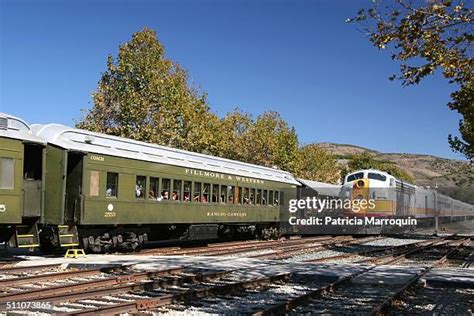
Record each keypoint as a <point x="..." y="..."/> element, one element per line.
<point x="377" y="176"/>
<point x="355" y="176"/>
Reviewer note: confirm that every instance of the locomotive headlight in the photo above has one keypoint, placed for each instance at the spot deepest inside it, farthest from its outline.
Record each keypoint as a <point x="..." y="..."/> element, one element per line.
<point x="360" y="184"/>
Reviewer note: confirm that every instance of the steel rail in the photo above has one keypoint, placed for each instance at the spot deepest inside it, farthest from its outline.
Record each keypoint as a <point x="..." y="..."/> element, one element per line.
<point x="401" y="254"/>
<point x="323" y="246"/>
<point x="16" y="269"/>
<point x="366" y="252"/>
<point x="382" y="308"/>
<point x="69" y="289"/>
<point x="8" y="283"/>
<point x="302" y="299"/>
<point x="162" y="300"/>
<point x="280" y="248"/>
<point x="254" y="246"/>
<point x="135" y="287"/>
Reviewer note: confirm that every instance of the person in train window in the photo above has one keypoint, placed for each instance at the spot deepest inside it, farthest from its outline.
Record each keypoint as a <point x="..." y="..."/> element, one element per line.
<point x="151" y="195"/>
<point x="108" y="192"/>
<point x="204" y="199"/>
<point x="138" y="190"/>
<point x="175" y="196"/>
<point x="187" y="197"/>
<point x="165" y="195"/>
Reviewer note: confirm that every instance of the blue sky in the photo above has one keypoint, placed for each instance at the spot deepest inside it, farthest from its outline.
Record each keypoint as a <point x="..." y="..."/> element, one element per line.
<point x="296" y="57"/>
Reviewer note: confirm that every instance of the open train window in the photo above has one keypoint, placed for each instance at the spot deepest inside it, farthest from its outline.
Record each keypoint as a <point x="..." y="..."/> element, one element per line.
<point x="223" y="194"/>
<point x="355" y="176"/>
<point x="377" y="176"/>
<point x="197" y="192"/>
<point x="187" y="191"/>
<point x="246" y="197"/>
<point x="276" y="200"/>
<point x="154" y="188"/>
<point x="165" y="187"/>
<point x="112" y="184"/>
<point x="94" y="183"/>
<point x="176" y="196"/>
<point x="252" y="196"/>
<point x="259" y="197"/>
<point x="215" y="193"/>
<point x="7" y="180"/>
<point x="264" y="197"/>
<point x="206" y="193"/>
<point x="270" y="198"/>
<point x="140" y="187"/>
<point x="231" y="194"/>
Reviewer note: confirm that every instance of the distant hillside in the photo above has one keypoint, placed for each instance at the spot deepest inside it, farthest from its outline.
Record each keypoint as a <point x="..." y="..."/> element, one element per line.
<point x="450" y="175"/>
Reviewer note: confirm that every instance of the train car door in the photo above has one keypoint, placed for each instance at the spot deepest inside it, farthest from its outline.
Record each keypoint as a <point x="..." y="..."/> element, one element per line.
<point x="32" y="180"/>
<point x="73" y="202"/>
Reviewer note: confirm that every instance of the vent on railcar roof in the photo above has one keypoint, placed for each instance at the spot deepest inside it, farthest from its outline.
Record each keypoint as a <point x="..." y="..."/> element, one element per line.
<point x="3" y="123"/>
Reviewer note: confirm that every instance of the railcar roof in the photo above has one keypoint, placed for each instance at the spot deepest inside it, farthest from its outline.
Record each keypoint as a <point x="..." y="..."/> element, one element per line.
<point x="86" y="141"/>
<point x="14" y="127"/>
<point x="322" y="187"/>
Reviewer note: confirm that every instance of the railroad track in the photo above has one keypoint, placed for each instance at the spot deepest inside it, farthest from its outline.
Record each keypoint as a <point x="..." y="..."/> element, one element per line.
<point x="276" y="249"/>
<point x="283" y="288"/>
<point x="363" y="291"/>
<point x="233" y="247"/>
<point x="368" y="253"/>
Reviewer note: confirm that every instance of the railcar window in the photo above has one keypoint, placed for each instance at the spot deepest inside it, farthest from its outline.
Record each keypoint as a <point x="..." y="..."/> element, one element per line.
<point x="140" y="187"/>
<point x="154" y="188"/>
<point x="165" y="189"/>
<point x="231" y="194"/>
<point x="206" y="193"/>
<point x="276" y="201"/>
<point x="7" y="181"/>
<point x="197" y="192"/>
<point x="270" y="199"/>
<point x="252" y="196"/>
<point x="264" y="197"/>
<point x="94" y="183"/>
<point x="215" y="193"/>
<point x="355" y="176"/>
<point x="258" y="200"/>
<point x="246" y="199"/>
<point x="176" y="190"/>
<point x="377" y="176"/>
<point x="187" y="191"/>
<point x="112" y="184"/>
<point x="223" y="197"/>
<point x="238" y="195"/>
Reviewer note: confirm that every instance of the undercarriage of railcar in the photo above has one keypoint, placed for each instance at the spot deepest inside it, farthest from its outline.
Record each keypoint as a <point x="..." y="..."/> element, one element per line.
<point x="105" y="238"/>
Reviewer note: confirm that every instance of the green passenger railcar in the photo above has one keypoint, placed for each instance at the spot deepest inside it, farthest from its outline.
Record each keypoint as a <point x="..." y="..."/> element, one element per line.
<point x="114" y="193"/>
<point x="21" y="182"/>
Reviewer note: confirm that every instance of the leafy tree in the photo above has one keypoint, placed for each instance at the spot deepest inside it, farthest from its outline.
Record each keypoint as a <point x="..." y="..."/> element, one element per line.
<point x="426" y="36"/>
<point x="232" y="129"/>
<point x="269" y="141"/>
<point x="318" y="164"/>
<point x="145" y="96"/>
<point x="366" y="160"/>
